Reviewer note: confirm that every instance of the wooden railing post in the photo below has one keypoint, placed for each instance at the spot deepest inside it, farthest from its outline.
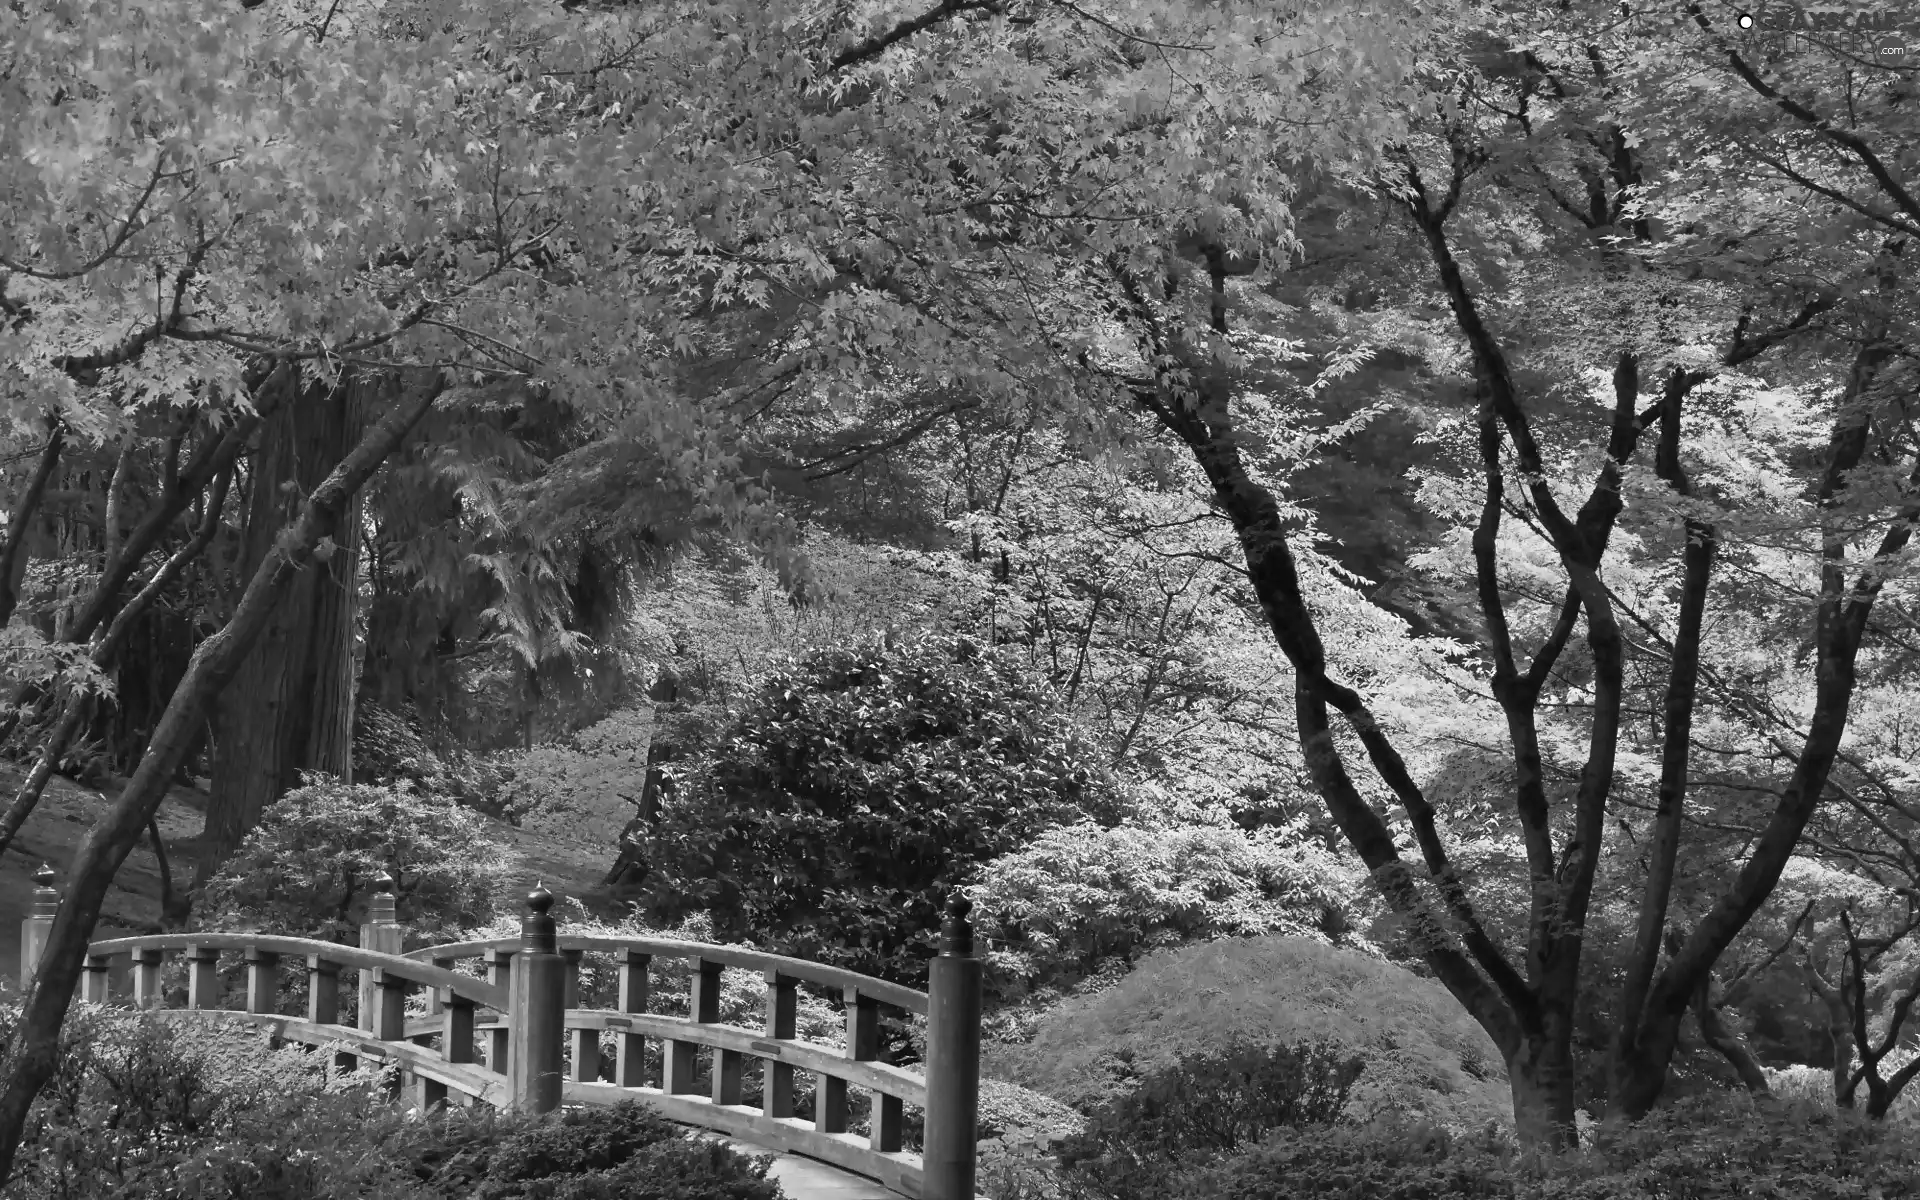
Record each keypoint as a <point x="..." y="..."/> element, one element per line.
<point x="93" y="985"/>
<point x="203" y="977"/>
<point x="381" y="934"/>
<point x="33" y="930"/>
<point x="776" y="1090"/>
<point x="323" y="1002"/>
<point x="953" y="1060"/>
<point x="538" y="1020"/>
<point x="630" y="1054"/>
<point x="585" y="1043"/>
<point x="676" y="1057"/>
<point x="500" y="1037"/>
<point x="863" y="1045"/>
<point x="146" y="978"/>
<point x="728" y="1065"/>
<point x="263" y="981"/>
<point x="456" y="1045"/>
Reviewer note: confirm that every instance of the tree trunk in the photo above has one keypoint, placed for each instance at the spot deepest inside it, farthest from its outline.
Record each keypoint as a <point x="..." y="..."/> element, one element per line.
<point x="1540" y="1079"/>
<point x="290" y="708"/>
<point x="33" y="1051"/>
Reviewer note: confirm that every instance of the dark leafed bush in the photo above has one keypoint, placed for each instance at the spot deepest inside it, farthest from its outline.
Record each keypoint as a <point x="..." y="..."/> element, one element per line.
<point x="1204" y="1105"/>
<point x="1717" y="1146"/>
<point x="624" y="1152"/>
<point x="853" y="786"/>
<point x="141" y="1110"/>
<point x="1385" y="1160"/>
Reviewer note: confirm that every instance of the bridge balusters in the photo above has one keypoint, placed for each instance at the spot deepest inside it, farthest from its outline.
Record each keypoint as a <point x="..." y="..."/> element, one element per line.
<point x="949" y="1160"/>
<point x="203" y="977"/>
<point x="630" y="1053"/>
<point x="146" y="978"/>
<point x="456" y="1044"/>
<point x="500" y="1037"/>
<point x="676" y="1068"/>
<point x="776" y="1085"/>
<point x="93" y="984"/>
<point x="263" y="981"/>
<point x="728" y="1065"/>
<point x="584" y="1043"/>
<point x="863" y="1045"/>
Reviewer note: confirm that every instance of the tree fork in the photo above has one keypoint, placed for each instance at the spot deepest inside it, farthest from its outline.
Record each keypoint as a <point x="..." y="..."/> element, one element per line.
<point x="32" y="1054"/>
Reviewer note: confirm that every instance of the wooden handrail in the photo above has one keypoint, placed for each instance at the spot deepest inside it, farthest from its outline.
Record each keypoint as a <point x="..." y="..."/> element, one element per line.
<point x="478" y="990"/>
<point x="732" y="956"/>
<point x="908" y="1085"/>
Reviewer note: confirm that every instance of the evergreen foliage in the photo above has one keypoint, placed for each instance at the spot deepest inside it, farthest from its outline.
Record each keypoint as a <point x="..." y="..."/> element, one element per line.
<point x="853" y="787"/>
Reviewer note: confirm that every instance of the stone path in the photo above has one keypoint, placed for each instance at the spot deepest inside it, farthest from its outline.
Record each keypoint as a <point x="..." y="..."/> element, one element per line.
<point x="808" y="1179"/>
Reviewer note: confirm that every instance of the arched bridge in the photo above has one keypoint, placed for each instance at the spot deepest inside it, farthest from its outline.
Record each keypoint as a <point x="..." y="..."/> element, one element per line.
<point x="514" y="1035"/>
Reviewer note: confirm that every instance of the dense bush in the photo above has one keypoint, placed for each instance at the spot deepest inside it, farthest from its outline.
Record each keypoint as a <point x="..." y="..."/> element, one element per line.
<point x="1078" y="898"/>
<point x="1202" y="1106"/>
<point x="141" y="1110"/>
<point x="1422" y="1055"/>
<point x="1383" y="1160"/>
<point x="307" y="870"/>
<point x="852" y="786"/>
<point x="584" y="789"/>
<point x="623" y="1152"/>
<point x="1717" y="1146"/>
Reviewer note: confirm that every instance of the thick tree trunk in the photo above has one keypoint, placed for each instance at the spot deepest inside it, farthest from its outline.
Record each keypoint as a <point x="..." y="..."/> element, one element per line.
<point x="290" y="709"/>
<point x="33" y="1051"/>
<point x="1540" y="1078"/>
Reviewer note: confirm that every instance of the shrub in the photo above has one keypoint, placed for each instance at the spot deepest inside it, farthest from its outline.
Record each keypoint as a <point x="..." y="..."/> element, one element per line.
<point x="140" y="1110"/>
<point x="852" y="785"/>
<point x="1386" y="1160"/>
<point x="1715" y="1146"/>
<point x="307" y="870"/>
<point x="1075" y="899"/>
<point x="584" y="789"/>
<point x="1422" y="1055"/>
<point x="1206" y="1104"/>
<point x="623" y="1152"/>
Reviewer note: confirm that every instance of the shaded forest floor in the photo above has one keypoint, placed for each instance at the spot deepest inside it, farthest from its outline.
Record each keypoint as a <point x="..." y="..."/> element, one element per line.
<point x="567" y="866"/>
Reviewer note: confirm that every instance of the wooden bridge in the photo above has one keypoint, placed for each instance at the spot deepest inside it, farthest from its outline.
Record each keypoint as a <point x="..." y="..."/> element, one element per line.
<point x="515" y="1037"/>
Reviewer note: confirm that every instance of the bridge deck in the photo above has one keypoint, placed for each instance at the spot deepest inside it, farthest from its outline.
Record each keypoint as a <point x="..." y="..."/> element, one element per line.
<point x="809" y="1179"/>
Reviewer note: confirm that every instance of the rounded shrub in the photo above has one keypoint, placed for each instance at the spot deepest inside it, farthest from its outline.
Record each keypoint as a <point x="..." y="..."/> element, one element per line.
<point x="308" y="868"/>
<point x="853" y="786"/>
<point x="1422" y="1055"/>
<point x="1081" y="898"/>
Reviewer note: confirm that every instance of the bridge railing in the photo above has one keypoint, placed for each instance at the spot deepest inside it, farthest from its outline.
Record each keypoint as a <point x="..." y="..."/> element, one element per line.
<point x="518" y="1038"/>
